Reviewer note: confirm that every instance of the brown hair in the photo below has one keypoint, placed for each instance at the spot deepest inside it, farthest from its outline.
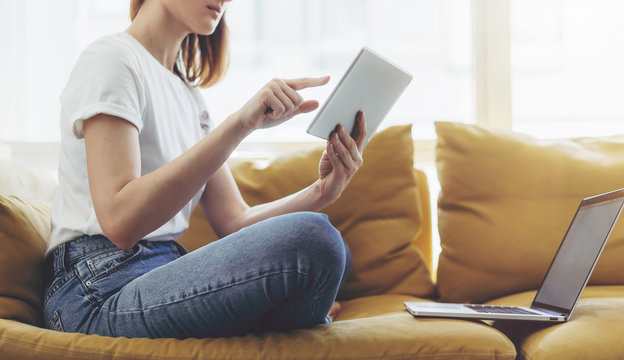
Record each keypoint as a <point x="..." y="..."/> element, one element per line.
<point x="203" y="60"/>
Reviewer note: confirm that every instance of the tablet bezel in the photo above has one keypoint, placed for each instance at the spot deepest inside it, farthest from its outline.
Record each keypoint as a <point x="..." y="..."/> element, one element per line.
<point x="323" y="124"/>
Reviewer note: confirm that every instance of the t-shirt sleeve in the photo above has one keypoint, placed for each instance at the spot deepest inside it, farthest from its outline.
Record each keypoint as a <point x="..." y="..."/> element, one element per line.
<point x="105" y="80"/>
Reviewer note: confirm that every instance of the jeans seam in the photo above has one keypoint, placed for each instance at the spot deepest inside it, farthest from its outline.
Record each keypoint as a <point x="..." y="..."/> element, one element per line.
<point x="87" y="251"/>
<point x="103" y="274"/>
<point x="59" y="260"/>
<point x="55" y="287"/>
<point x="316" y="298"/>
<point x="219" y="289"/>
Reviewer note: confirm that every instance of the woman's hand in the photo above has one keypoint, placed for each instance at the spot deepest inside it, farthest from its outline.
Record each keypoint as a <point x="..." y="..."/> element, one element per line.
<point x="341" y="159"/>
<point x="277" y="102"/>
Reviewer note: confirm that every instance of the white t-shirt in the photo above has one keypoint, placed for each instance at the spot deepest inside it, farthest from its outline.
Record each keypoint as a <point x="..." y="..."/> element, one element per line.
<point x="116" y="75"/>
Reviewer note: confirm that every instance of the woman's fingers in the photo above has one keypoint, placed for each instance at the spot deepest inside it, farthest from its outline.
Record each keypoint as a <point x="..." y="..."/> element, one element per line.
<point x="334" y="158"/>
<point x="278" y="101"/>
<point x="347" y="150"/>
<point x="302" y="83"/>
<point x="354" y="142"/>
<point x="306" y="106"/>
<point x="350" y="146"/>
<point x="287" y="102"/>
<point x="290" y="92"/>
<point x="291" y="102"/>
<point x="274" y="106"/>
<point x="342" y="152"/>
<point x="359" y="131"/>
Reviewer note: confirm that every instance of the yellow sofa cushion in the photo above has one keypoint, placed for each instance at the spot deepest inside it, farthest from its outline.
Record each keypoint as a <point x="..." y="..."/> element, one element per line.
<point x="505" y="204"/>
<point x="593" y="332"/>
<point x="24" y="231"/>
<point x="387" y="332"/>
<point x="380" y="214"/>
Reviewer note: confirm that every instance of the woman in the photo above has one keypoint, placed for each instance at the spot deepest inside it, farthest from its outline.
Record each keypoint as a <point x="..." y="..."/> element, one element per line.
<point x="138" y="154"/>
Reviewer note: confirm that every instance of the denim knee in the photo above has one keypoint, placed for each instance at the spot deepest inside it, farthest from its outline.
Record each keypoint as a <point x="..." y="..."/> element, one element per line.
<point x="315" y="235"/>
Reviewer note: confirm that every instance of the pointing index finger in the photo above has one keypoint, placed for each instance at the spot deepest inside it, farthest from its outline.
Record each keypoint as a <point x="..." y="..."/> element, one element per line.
<point x="303" y="83"/>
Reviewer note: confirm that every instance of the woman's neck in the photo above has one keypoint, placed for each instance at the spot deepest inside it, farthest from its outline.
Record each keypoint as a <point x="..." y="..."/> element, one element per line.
<point x="159" y="33"/>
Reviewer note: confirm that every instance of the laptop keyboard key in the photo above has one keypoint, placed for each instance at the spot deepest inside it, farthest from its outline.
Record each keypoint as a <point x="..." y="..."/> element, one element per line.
<point x="495" y="309"/>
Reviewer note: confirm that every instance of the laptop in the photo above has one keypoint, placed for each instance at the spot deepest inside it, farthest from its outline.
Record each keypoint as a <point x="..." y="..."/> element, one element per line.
<point x="566" y="277"/>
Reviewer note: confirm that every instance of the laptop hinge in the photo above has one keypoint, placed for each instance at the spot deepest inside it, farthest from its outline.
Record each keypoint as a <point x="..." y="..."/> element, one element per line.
<point x="551" y="312"/>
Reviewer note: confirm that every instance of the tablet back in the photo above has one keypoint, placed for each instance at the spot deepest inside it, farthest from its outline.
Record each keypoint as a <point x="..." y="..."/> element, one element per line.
<point x="371" y="84"/>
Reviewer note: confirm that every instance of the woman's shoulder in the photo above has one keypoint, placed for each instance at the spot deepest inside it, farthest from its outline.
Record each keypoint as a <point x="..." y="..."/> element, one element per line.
<point x="107" y="68"/>
<point x="110" y="52"/>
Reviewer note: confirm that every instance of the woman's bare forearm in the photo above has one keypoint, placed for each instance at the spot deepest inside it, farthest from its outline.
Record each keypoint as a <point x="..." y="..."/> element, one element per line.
<point x="307" y="199"/>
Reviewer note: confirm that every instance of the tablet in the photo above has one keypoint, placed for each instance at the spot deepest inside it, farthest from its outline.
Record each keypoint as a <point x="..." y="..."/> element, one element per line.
<point x="371" y="84"/>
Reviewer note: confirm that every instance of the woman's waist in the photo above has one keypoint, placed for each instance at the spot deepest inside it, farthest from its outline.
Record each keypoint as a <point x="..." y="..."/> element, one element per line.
<point x="95" y="247"/>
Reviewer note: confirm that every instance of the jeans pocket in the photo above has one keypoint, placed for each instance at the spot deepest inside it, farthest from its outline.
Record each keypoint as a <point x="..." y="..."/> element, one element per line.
<point x="105" y="272"/>
<point x="104" y="263"/>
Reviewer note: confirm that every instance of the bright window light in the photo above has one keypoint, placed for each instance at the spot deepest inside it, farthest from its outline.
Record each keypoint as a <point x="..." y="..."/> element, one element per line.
<point x="567" y="73"/>
<point x="289" y="39"/>
<point x="270" y="38"/>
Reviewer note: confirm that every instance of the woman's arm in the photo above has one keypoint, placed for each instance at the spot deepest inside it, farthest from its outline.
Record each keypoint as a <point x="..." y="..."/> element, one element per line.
<point x="227" y="212"/>
<point x="129" y="206"/>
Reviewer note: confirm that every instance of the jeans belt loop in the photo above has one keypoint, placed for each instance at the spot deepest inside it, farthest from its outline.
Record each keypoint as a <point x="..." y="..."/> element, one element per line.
<point x="59" y="261"/>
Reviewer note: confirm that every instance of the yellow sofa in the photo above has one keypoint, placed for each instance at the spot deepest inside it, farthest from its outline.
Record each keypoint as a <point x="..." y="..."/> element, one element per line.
<point x="385" y="218"/>
<point x="506" y="201"/>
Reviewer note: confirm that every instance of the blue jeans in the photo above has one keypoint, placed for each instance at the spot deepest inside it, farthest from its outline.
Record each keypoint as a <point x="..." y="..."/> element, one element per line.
<point x="279" y="274"/>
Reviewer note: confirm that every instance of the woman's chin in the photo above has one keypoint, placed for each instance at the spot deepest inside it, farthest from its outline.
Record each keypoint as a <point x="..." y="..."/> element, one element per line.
<point x="205" y="33"/>
<point x="206" y="29"/>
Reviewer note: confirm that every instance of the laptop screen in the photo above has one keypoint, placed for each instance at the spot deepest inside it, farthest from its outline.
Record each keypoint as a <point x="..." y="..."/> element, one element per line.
<point x="578" y="252"/>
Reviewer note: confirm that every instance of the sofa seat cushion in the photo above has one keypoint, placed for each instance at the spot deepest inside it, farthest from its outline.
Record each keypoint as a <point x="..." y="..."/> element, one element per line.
<point x="372" y="327"/>
<point x="506" y="201"/>
<point x="369" y="306"/>
<point x="594" y="330"/>
<point x="382" y="214"/>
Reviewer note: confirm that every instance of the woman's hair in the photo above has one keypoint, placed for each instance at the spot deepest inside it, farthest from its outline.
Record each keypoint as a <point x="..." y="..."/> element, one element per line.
<point x="203" y="60"/>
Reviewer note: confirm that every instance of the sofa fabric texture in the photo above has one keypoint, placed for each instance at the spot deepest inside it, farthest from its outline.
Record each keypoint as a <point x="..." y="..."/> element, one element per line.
<point x="390" y="334"/>
<point x="506" y="202"/>
<point x="24" y="232"/>
<point x="594" y="331"/>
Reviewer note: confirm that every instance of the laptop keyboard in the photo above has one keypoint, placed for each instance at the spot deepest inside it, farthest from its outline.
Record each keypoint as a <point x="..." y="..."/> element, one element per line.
<point x="489" y="309"/>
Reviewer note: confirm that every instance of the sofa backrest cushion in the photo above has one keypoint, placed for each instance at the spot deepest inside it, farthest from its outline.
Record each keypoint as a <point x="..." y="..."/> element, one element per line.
<point x="380" y="214"/>
<point x="506" y="201"/>
<point x="24" y="231"/>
